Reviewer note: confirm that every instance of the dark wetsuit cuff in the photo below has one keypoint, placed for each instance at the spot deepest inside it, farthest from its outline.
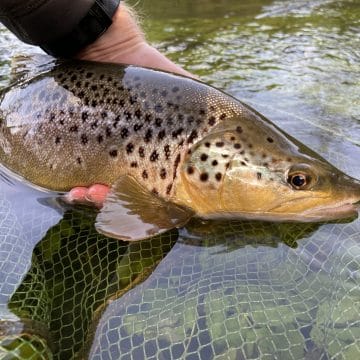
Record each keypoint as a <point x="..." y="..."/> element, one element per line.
<point x="60" y="27"/>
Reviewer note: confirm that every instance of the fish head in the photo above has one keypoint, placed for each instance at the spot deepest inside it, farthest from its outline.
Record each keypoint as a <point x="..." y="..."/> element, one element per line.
<point x="264" y="174"/>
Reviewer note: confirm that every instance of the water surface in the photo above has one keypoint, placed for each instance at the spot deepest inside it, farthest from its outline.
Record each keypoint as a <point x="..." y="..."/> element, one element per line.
<point x="212" y="291"/>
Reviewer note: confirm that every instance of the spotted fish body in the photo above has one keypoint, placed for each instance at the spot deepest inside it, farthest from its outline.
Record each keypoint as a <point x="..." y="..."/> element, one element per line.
<point x="189" y="144"/>
<point x="81" y="123"/>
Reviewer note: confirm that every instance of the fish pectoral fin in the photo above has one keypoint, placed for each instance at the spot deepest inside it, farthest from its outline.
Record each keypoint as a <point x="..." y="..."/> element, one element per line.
<point x="133" y="213"/>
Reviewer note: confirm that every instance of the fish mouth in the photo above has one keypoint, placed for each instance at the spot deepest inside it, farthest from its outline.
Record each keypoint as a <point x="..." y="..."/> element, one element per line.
<point x="342" y="211"/>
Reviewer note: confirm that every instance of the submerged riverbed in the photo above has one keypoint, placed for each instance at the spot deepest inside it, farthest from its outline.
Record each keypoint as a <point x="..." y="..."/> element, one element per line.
<point x="242" y="290"/>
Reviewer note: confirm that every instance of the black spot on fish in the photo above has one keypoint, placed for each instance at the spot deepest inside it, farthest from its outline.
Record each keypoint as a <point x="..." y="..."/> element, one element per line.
<point x="57" y="140"/>
<point x="66" y="87"/>
<point x="225" y="156"/>
<point x="122" y="102"/>
<point x="177" y="132"/>
<point x="89" y="75"/>
<point x="100" y="139"/>
<point x="164" y="93"/>
<point x="233" y="138"/>
<point x="144" y="174"/>
<point x="116" y="121"/>
<point x="190" y="119"/>
<point x="168" y="189"/>
<point x="258" y="175"/>
<point x="239" y="129"/>
<point x="243" y="163"/>
<point x="124" y="133"/>
<point x="52" y="117"/>
<point x="167" y="151"/>
<point x="176" y="164"/>
<point x="158" y="122"/>
<point x="154" y="191"/>
<point x="138" y="113"/>
<point x="211" y="120"/>
<point x="202" y="112"/>
<point x="265" y="164"/>
<point x="190" y="170"/>
<point x="78" y="159"/>
<point x="175" y="89"/>
<point x="113" y="153"/>
<point x="109" y="79"/>
<point x="289" y="160"/>
<point x="148" y="118"/>
<point x="214" y="163"/>
<point x="84" y="139"/>
<point x="129" y="148"/>
<point x="94" y="87"/>
<point x="74" y="128"/>
<point x="222" y="116"/>
<point x="148" y="135"/>
<point x="141" y="151"/>
<point x="192" y="136"/>
<point x="93" y="103"/>
<point x="270" y="140"/>
<point x="84" y="116"/>
<point x="204" y="177"/>
<point x="104" y="114"/>
<point x="138" y="127"/>
<point x="207" y="144"/>
<point x="132" y="100"/>
<point x="128" y="115"/>
<point x="108" y="132"/>
<point x="237" y="146"/>
<point x="204" y="157"/>
<point x="154" y="156"/>
<point x="180" y="117"/>
<point x="163" y="173"/>
<point x="94" y="125"/>
<point x="219" y="144"/>
<point x="134" y="164"/>
<point x="250" y="146"/>
<point x="161" y="134"/>
<point x="218" y="176"/>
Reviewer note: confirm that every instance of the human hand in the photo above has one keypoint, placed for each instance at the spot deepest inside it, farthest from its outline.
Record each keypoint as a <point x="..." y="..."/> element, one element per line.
<point x="124" y="42"/>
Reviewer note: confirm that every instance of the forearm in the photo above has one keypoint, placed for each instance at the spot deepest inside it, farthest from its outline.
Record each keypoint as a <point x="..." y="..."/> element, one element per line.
<point x="124" y="42"/>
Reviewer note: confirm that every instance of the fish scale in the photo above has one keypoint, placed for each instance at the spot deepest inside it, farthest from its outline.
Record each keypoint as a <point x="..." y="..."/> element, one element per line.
<point x="170" y="148"/>
<point x="124" y="121"/>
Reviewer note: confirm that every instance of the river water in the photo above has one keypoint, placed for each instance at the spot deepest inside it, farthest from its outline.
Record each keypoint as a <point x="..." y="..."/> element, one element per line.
<point x="212" y="291"/>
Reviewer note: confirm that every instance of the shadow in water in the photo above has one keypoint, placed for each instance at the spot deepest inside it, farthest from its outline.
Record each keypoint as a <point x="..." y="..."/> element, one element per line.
<point x="74" y="272"/>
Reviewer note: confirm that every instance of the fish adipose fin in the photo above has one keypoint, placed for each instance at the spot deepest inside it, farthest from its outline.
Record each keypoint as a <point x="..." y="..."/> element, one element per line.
<point x="133" y="213"/>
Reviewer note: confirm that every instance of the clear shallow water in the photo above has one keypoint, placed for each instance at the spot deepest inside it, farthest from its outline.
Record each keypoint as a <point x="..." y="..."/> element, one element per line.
<point x="228" y="291"/>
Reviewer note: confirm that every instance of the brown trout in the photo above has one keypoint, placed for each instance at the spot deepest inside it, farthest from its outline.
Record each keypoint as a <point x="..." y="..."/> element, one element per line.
<point x="171" y="148"/>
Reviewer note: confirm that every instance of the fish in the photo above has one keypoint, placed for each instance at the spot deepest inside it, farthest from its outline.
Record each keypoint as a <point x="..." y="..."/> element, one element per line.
<point x="170" y="147"/>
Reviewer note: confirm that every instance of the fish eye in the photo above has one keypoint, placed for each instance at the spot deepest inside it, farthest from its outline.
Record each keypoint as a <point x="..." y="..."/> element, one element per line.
<point x="298" y="181"/>
<point x="300" y="178"/>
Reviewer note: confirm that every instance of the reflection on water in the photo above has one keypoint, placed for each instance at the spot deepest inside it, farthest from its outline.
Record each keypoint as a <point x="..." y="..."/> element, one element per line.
<point x="238" y="290"/>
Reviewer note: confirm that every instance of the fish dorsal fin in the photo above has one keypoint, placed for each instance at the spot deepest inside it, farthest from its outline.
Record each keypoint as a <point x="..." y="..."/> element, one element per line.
<point x="24" y="67"/>
<point x="131" y="212"/>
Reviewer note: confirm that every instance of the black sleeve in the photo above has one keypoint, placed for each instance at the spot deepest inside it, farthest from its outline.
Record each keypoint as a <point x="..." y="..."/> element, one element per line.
<point x="60" y="27"/>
